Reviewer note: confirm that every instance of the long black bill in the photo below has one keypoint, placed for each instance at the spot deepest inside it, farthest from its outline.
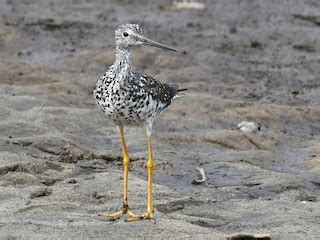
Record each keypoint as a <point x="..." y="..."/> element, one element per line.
<point x="150" y="42"/>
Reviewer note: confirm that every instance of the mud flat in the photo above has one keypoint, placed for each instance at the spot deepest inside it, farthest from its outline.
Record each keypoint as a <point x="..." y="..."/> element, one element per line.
<point x="60" y="160"/>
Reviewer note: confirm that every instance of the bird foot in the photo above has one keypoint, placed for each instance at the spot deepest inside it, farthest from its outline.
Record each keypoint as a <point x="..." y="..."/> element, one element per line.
<point x="124" y="211"/>
<point x="131" y="216"/>
<point x="147" y="216"/>
<point x="150" y="217"/>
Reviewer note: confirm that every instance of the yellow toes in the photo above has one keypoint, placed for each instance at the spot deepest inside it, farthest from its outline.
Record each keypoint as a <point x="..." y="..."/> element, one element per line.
<point x="131" y="216"/>
<point x="117" y="215"/>
<point x="134" y="217"/>
<point x="150" y="217"/>
<point x="112" y="216"/>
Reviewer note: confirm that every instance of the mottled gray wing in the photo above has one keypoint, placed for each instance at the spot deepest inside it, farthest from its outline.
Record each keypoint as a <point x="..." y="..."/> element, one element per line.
<point x="158" y="90"/>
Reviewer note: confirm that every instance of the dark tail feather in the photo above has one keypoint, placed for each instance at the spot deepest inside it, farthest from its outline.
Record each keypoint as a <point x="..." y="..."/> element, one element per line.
<point x="175" y="88"/>
<point x="182" y="89"/>
<point x="179" y="90"/>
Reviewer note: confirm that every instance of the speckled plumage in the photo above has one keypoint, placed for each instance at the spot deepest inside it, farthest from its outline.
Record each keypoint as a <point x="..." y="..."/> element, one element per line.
<point x="127" y="97"/>
<point x="130" y="98"/>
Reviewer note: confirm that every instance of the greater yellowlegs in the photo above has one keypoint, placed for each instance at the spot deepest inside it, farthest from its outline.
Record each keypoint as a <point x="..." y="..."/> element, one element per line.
<point x="132" y="99"/>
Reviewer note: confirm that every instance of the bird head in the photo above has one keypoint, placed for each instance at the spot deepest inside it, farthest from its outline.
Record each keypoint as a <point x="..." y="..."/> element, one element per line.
<point x="130" y="35"/>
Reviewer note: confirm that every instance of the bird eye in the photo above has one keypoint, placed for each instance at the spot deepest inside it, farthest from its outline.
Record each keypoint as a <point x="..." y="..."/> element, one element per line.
<point x="125" y="34"/>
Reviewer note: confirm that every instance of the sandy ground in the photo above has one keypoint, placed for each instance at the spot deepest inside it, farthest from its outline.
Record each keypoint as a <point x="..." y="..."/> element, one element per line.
<point x="60" y="161"/>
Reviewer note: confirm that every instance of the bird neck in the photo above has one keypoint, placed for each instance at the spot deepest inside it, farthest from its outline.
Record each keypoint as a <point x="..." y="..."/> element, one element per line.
<point x="122" y="64"/>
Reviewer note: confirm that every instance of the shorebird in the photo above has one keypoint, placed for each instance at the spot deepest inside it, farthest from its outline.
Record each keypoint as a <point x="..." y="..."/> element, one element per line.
<point x="129" y="98"/>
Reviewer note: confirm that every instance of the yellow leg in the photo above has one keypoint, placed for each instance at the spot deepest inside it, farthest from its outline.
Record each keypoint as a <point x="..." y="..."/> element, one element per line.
<point x="125" y="168"/>
<point x="125" y="208"/>
<point x="150" y="165"/>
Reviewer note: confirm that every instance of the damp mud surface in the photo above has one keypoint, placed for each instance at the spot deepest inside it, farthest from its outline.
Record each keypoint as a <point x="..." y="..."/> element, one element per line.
<point x="60" y="157"/>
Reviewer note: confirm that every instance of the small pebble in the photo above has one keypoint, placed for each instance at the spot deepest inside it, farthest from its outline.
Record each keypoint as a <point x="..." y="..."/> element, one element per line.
<point x="203" y="177"/>
<point x="246" y="236"/>
<point x="249" y="126"/>
<point x="41" y="193"/>
<point x="72" y="181"/>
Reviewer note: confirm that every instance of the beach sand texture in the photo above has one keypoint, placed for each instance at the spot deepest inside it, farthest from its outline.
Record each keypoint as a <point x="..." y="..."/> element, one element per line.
<point x="60" y="157"/>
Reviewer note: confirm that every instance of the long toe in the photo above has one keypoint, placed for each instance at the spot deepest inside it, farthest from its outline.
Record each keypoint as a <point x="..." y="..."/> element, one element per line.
<point x="133" y="217"/>
<point x="112" y="216"/>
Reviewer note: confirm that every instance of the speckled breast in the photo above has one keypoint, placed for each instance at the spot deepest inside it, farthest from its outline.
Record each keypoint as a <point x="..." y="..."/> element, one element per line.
<point x="125" y="105"/>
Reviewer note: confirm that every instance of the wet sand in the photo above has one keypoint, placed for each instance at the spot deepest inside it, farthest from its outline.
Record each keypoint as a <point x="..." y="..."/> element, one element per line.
<point x="60" y="161"/>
